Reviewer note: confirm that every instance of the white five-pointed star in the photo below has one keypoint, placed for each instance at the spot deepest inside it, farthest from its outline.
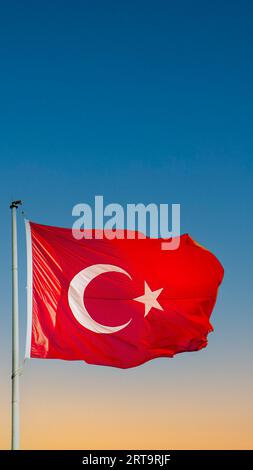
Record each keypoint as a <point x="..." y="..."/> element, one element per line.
<point x="149" y="298"/>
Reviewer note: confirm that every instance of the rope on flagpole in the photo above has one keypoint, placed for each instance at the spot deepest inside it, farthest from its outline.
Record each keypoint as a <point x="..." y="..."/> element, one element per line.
<point x="17" y="372"/>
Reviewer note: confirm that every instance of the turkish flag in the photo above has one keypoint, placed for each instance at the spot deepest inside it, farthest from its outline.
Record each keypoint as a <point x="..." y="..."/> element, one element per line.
<point x="118" y="302"/>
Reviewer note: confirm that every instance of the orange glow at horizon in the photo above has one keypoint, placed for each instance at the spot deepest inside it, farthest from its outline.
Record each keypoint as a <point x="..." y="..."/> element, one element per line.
<point x="67" y="406"/>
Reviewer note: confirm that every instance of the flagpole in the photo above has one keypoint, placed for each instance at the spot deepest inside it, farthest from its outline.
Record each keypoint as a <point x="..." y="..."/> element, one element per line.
<point x="15" y="333"/>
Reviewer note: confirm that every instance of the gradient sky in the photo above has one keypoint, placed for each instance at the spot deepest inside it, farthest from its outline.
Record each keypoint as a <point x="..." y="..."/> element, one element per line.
<point x="139" y="101"/>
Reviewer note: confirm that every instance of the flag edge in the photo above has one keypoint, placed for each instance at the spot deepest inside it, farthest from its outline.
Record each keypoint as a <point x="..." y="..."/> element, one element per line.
<point x="29" y="288"/>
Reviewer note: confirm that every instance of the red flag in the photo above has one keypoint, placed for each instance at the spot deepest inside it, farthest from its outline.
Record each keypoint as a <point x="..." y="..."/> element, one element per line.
<point x="117" y="302"/>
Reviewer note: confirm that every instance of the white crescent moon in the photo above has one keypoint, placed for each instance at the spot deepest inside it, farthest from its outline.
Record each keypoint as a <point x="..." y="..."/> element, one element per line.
<point x="76" y="292"/>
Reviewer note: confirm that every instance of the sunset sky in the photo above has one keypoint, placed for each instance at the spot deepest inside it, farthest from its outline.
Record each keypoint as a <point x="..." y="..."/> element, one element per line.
<point x="138" y="101"/>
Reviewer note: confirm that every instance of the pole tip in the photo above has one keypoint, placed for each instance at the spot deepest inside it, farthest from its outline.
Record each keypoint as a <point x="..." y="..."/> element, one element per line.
<point x="15" y="204"/>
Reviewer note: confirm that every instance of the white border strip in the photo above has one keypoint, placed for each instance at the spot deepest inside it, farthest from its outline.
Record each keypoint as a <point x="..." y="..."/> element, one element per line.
<point x="29" y="289"/>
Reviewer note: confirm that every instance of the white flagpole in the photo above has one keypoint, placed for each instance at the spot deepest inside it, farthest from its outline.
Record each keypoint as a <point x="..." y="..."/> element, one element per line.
<point x="15" y="333"/>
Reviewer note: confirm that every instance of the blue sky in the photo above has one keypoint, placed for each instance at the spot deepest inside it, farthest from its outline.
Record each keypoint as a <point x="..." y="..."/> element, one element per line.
<point x="140" y="102"/>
